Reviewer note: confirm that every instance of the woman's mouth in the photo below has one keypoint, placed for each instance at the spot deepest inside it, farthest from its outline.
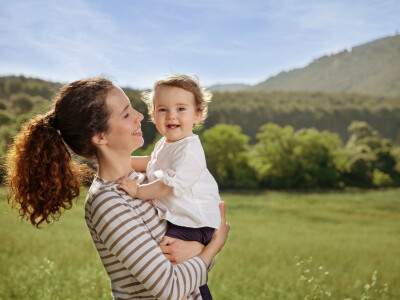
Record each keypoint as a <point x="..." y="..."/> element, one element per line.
<point x="138" y="132"/>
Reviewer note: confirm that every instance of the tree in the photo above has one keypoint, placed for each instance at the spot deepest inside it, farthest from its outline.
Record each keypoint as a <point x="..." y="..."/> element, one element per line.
<point x="227" y="153"/>
<point x="273" y="160"/>
<point x="302" y="159"/>
<point x="315" y="152"/>
<point x="370" y="158"/>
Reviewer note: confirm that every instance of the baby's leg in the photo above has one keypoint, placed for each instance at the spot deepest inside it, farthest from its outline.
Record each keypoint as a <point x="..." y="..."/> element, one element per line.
<point x="202" y="235"/>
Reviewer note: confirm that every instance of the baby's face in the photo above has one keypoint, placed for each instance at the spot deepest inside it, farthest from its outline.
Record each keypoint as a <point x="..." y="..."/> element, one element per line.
<point x="175" y="113"/>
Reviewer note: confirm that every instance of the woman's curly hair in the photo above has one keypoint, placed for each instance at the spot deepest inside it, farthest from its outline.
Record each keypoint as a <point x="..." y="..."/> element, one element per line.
<point x="42" y="178"/>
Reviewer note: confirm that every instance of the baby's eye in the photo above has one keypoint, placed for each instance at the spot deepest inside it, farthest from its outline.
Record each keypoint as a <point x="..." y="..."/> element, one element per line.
<point x="181" y="108"/>
<point x="162" y="109"/>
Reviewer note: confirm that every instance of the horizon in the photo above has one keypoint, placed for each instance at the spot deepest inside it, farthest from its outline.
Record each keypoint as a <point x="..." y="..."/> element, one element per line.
<point x="135" y="44"/>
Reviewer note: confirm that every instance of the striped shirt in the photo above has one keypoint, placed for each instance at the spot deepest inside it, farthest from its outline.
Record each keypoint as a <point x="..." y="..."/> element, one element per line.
<point x="126" y="233"/>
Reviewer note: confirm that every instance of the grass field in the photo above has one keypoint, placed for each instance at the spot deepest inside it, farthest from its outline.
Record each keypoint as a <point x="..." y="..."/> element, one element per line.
<point x="338" y="245"/>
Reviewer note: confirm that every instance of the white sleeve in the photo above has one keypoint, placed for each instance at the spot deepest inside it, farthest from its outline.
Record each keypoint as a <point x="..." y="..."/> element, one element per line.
<point x="185" y="170"/>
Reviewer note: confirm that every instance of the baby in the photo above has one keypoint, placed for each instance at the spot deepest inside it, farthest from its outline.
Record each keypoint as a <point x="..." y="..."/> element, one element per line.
<point x="184" y="192"/>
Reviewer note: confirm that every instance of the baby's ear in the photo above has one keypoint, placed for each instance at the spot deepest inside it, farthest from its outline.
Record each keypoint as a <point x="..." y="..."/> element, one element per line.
<point x="199" y="114"/>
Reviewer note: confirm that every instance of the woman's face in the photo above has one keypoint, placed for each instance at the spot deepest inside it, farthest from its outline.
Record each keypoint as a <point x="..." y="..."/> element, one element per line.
<point x="125" y="134"/>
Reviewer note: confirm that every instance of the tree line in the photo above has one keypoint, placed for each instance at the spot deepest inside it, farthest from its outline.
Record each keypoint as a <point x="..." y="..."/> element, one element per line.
<point x="263" y="139"/>
<point x="287" y="159"/>
<point x="283" y="158"/>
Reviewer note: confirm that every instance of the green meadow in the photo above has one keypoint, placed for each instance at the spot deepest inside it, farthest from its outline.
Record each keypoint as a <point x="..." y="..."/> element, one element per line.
<point x="336" y="245"/>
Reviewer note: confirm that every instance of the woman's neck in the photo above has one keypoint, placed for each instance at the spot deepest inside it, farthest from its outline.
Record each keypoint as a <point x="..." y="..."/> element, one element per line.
<point x="113" y="167"/>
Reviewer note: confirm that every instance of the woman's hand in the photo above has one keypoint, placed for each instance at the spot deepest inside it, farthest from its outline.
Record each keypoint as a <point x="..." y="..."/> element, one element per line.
<point x="178" y="251"/>
<point x="218" y="239"/>
<point x="220" y="236"/>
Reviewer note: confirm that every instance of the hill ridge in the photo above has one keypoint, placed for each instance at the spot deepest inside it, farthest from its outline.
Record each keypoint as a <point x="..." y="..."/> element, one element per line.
<point x="370" y="68"/>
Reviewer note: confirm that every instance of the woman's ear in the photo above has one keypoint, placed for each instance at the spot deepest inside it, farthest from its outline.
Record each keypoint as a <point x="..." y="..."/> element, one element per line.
<point x="99" y="139"/>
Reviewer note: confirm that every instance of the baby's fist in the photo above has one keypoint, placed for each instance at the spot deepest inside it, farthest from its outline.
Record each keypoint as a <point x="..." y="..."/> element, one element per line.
<point x="130" y="186"/>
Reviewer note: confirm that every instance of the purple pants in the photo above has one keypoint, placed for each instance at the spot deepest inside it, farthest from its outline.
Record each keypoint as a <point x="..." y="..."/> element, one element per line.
<point x="202" y="235"/>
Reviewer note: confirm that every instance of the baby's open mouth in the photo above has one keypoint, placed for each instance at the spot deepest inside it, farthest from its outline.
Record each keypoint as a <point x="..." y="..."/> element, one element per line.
<point x="172" y="126"/>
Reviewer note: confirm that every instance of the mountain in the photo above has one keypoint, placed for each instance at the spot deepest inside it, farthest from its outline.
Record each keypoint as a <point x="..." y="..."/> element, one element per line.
<point x="229" y="87"/>
<point x="372" y="68"/>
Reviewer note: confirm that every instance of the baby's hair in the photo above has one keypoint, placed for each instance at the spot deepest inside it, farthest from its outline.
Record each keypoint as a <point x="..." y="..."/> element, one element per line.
<point x="202" y="96"/>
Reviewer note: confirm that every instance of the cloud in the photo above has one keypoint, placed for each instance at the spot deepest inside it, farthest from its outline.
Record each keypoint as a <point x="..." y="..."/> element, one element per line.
<point x="135" y="42"/>
<point x="67" y="39"/>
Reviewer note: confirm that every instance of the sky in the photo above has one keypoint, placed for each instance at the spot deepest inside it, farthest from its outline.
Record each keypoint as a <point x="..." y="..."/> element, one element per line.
<point x="136" y="42"/>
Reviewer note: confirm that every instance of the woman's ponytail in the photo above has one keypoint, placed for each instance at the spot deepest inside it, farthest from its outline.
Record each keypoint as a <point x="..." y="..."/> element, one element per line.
<point x="41" y="176"/>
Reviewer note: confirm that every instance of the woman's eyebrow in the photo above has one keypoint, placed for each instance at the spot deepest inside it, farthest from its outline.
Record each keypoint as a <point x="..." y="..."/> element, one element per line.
<point x="126" y="107"/>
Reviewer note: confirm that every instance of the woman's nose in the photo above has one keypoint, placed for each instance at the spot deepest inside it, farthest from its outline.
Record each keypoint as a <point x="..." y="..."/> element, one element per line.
<point x="139" y="117"/>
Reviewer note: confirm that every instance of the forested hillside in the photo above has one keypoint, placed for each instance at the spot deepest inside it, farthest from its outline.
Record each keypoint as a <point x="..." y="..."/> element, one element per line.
<point x="323" y="111"/>
<point x="22" y="97"/>
<point x="372" y="68"/>
<point x="271" y="144"/>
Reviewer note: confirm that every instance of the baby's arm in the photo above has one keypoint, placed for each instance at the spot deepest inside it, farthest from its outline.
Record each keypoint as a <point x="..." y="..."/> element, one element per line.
<point x="139" y="163"/>
<point x="156" y="189"/>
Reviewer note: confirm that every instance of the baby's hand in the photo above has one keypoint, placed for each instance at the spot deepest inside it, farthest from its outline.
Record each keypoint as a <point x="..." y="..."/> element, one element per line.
<point x="130" y="186"/>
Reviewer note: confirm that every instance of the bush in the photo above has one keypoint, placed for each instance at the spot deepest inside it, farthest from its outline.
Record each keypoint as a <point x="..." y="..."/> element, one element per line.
<point x="380" y="179"/>
<point x="3" y="105"/>
<point x="303" y="159"/>
<point x="357" y="169"/>
<point x="21" y="103"/>
<point x="227" y="153"/>
<point x="371" y="161"/>
<point x="4" y="118"/>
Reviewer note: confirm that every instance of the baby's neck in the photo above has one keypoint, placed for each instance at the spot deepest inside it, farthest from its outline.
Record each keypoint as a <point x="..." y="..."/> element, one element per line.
<point x="174" y="141"/>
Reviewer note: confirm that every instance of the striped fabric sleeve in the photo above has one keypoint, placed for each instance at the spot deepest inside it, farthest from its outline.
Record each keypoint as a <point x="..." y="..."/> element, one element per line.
<point x="124" y="234"/>
<point x="211" y="265"/>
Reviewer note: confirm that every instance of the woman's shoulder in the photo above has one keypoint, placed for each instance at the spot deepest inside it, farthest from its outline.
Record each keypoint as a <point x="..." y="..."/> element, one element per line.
<point x="103" y="190"/>
<point x="99" y="192"/>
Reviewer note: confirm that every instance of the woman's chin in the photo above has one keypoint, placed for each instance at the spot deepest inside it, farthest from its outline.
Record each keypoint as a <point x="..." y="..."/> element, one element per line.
<point x="138" y="145"/>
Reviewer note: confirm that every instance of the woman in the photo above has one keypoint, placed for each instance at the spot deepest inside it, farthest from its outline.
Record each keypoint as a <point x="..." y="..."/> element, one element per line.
<point x="95" y="120"/>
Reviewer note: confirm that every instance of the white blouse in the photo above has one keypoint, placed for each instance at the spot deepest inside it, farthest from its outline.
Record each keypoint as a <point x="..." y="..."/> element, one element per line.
<point x="182" y="165"/>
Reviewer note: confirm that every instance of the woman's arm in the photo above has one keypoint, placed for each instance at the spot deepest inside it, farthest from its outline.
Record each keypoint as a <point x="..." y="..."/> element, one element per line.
<point x="139" y="163"/>
<point x="218" y="239"/>
<point x="124" y="235"/>
<point x="178" y="251"/>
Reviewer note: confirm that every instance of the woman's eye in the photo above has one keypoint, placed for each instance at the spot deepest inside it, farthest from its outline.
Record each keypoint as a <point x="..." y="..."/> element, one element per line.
<point x="126" y="116"/>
